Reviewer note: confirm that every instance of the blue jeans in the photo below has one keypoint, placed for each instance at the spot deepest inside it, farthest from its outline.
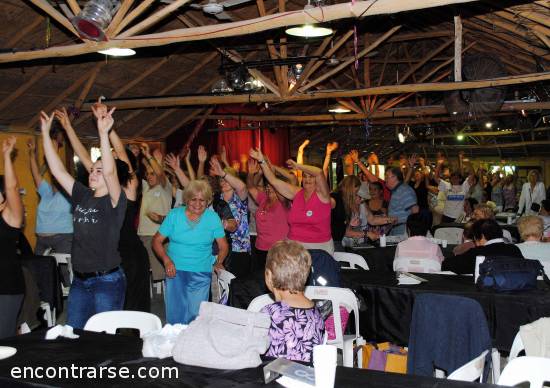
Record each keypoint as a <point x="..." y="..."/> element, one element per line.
<point x="95" y="295"/>
<point x="184" y="294"/>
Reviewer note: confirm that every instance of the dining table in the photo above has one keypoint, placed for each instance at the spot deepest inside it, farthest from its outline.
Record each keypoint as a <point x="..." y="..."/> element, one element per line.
<point x="99" y="359"/>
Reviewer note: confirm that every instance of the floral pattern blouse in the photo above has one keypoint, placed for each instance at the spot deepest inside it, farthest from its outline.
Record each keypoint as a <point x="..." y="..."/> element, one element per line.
<point x="240" y="238"/>
<point x="294" y="331"/>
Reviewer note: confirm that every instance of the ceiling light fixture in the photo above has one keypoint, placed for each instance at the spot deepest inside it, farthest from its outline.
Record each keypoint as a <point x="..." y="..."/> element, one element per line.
<point x="94" y="18"/>
<point x="308" y="30"/>
<point x="338" y="109"/>
<point x="118" y="52"/>
<point x="460" y="137"/>
<point x="488" y="125"/>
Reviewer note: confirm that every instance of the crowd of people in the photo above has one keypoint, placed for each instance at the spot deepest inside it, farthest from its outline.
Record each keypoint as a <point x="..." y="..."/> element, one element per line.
<point x="146" y="215"/>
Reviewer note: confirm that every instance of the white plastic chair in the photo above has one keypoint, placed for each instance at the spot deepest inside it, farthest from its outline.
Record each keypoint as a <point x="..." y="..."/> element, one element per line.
<point x="338" y="297"/>
<point x="352" y="259"/>
<point x="517" y="346"/>
<point x="49" y="313"/>
<point x="64" y="259"/>
<point x="507" y="235"/>
<point x="535" y="370"/>
<point x="471" y="371"/>
<point x="453" y="235"/>
<point x="410" y="264"/>
<point x="224" y="279"/>
<point x="110" y="321"/>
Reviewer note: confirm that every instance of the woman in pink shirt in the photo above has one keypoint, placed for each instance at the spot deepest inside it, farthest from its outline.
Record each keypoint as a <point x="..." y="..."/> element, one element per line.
<point x="309" y="216"/>
<point x="271" y="216"/>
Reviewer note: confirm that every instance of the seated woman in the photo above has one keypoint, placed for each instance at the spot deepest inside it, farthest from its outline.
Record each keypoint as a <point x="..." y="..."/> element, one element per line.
<point x="417" y="246"/>
<point x="467" y="240"/>
<point x="296" y="324"/>
<point x="531" y="230"/>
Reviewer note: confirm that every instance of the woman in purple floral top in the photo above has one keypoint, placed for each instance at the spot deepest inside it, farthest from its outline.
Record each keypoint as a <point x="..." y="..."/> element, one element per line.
<point x="296" y="324"/>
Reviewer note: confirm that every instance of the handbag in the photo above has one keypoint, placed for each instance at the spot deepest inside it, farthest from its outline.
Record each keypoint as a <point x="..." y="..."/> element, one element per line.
<point x="385" y="357"/>
<point x="223" y="337"/>
<point x="502" y="274"/>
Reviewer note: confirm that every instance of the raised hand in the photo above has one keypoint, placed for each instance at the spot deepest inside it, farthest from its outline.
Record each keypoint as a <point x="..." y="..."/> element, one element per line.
<point x="354" y="155"/>
<point x="172" y="161"/>
<point x="253" y="166"/>
<point x="331" y="147"/>
<point x="304" y="145"/>
<point x="46" y="122"/>
<point x="63" y="117"/>
<point x="104" y="122"/>
<point x="145" y="149"/>
<point x="223" y="156"/>
<point x="8" y="145"/>
<point x="99" y="109"/>
<point x="31" y="145"/>
<point x="157" y="154"/>
<point x="216" y="168"/>
<point x="291" y="164"/>
<point x="202" y="154"/>
<point x="256" y="154"/>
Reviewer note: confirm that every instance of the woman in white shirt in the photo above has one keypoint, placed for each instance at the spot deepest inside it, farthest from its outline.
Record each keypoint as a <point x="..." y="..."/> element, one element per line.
<point x="532" y="193"/>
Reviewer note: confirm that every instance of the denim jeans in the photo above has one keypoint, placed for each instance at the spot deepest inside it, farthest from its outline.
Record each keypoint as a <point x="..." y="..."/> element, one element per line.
<point x="95" y="295"/>
<point x="184" y="294"/>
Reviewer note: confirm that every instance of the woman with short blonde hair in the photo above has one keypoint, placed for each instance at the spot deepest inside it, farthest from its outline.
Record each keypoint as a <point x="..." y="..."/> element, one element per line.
<point x="197" y="187"/>
<point x="531" y="229"/>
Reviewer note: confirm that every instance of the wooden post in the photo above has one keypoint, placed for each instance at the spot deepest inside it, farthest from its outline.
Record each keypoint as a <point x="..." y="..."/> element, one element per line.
<point x="458" y="48"/>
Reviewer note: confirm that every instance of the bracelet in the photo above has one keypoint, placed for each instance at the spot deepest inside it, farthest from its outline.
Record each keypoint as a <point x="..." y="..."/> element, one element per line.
<point x="224" y="175"/>
<point x="261" y="161"/>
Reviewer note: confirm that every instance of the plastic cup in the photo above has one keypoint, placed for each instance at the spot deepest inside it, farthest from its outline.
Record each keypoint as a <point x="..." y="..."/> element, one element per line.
<point x="444" y="243"/>
<point x="324" y="363"/>
<point x="383" y="241"/>
<point x="509" y="221"/>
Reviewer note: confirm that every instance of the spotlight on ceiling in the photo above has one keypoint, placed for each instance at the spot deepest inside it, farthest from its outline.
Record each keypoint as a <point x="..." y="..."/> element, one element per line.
<point x="94" y="18"/>
<point x="401" y="137"/>
<point x="488" y="125"/>
<point x="460" y="137"/>
<point x="337" y="108"/>
<point x="118" y="52"/>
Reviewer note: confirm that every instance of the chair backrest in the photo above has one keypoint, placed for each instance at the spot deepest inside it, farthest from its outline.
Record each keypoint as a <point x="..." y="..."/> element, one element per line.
<point x="471" y="371"/>
<point x="65" y="259"/>
<point x="110" y="321"/>
<point x="517" y="346"/>
<point x="260" y="302"/>
<point x="338" y="297"/>
<point x="507" y="235"/>
<point x="535" y="370"/>
<point x="352" y="259"/>
<point x="453" y="235"/>
<point x="224" y="279"/>
<point x="413" y="264"/>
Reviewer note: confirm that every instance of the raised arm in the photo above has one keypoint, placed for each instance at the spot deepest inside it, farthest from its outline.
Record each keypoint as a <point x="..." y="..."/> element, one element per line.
<point x="300" y="159"/>
<point x="202" y="156"/>
<point x="189" y="166"/>
<point x="285" y="189"/>
<point x="253" y="169"/>
<point x="63" y="117"/>
<point x="13" y="212"/>
<point x="35" y="171"/>
<point x="174" y="162"/>
<point x="410" y="163"/>
<point x="355" y="157"/>
<point x="104" y="125"/>
<point x="155" y="166"/>
<point x="223" y="157"/>
<point x="237" y="184"/>
<point x="321" y="184"/>
<point x="57" y="168"/>
<point x="331" y="147"/>
<point x="292" y="179"/>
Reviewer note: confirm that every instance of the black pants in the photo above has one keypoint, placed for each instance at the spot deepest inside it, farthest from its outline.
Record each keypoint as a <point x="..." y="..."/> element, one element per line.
<point x="239" y="264"/>
<point x="258" y="260"/>
<point x="447" y="220"/>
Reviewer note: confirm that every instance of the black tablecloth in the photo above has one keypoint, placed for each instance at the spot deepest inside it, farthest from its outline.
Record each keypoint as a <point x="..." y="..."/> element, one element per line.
<point x="95" y="350"/>
<point x="388" y="306"/>
<point x="381" y="259"/>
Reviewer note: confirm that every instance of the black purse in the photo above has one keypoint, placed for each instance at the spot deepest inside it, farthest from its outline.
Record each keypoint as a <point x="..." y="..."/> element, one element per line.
<point x="503" y="274"/>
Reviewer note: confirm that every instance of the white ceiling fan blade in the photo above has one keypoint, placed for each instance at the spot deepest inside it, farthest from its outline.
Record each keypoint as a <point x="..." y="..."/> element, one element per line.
<point x="223" y="16"/>
<point x="195" y="6"/>
<point x="232" y="3"/>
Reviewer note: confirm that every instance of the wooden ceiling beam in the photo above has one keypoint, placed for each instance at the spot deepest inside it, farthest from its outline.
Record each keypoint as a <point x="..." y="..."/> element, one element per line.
<point x="321" y="95"/>
<point x="141" y="8"/>
<point x="73" y="5"/>
<point x="270" y="44"/>
<point x="153" y="19"/>
<point x="84" y="93"/>
<point x="245" y="27"/>
<point x="122" y="11"/>
<point x="283" y="51"/>
<point x="55" y="14"/>
<point x="66" y="93"/>
<point x="38" y="75"/>
<point x="426" y="59"/>
<point x="544" y="39"/>
<point x="404" y="37"/>
<point x="346" y="63"/>
<point x="24" y="32"/>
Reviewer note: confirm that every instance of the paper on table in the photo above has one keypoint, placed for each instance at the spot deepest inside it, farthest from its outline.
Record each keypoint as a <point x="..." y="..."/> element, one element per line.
<point x="407" y="280"/>
<point x="292" y="383"/>
<point x="445" y="273"/>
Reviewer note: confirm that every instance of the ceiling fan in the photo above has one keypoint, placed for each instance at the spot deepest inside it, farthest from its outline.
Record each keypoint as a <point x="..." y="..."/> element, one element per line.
<point x="213" y="8"/>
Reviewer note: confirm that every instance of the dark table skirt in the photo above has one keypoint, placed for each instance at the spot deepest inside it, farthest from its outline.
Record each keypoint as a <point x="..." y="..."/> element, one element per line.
<point x="95" y="350"/>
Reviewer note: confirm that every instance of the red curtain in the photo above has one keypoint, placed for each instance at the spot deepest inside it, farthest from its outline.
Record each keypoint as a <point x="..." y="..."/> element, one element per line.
<point x="273" y="143"/>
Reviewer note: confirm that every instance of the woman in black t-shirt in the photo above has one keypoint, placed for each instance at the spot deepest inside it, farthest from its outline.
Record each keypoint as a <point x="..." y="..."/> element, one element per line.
<point x="12" y="285"/>
<point x="98" y="213"/>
